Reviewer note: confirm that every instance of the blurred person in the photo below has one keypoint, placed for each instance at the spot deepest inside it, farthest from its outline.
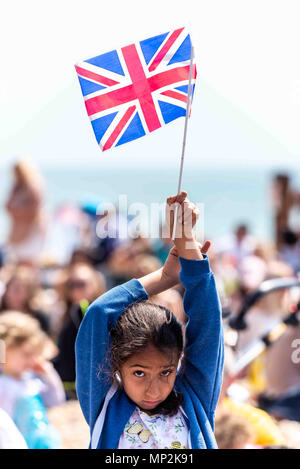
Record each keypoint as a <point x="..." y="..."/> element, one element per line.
<point x="281" y="396"/>
<point x="108" y="228"/>
<point x="81" y="256"/>
<point x="234" y="411"/>
<point x="289" y="250"/>
<point x="83" y="284"/>
<point x="19" y="292"/>
<point x="162" y="245"/>
<point x="239" y="245"/>
<point x="28" y="381"/>
<point x="25" y="208"/>
<point x="266" y="312"/>
<point x="131" y="260"/>
<point x="232" y="431"/>
<point x="252" y="272"/>
<point x="273" y="375"/>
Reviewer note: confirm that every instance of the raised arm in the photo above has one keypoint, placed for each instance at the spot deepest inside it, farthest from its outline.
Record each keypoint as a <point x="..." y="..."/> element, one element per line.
<point x="204" y="335"/>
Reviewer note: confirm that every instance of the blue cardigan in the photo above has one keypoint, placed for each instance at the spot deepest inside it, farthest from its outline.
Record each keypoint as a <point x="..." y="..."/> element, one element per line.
<point x="200" y="382"/>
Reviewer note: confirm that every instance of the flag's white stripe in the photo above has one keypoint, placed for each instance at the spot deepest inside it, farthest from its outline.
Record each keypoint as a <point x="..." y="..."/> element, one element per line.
<point x="113" y="126"/>
<point x="174" y="47"/>
<point x="166" y="68"/>
<point x="161" y="46"/>
<point x="142" y="58"/>
<point x="171" y="52"/>
<point x="142" y="117"/>
<point x="124" y="67"/>
<point x="100" y="71"/>
<point x="93" y="81"/>
<point x="107" y="90"/>
<point x="159" y="114"/>
<point x="173" y="86"/>
<point x="124" y="129"/>
<point x="112" y="110"/>
<point x="170" y="100"/>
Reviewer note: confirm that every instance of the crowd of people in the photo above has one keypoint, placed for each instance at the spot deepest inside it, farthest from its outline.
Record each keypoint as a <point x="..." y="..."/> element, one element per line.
<point x="44" y="300"/>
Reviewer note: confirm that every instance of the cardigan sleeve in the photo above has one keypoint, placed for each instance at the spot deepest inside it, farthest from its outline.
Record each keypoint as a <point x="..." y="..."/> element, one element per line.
<point x="204" y="346"/>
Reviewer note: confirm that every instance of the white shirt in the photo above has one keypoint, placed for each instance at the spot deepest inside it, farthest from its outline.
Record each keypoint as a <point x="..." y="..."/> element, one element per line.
<point x="144" y="431"/>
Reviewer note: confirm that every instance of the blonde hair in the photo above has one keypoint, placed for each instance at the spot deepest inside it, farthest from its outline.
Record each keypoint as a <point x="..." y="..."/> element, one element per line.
<point x="27" y="174"/>
<point x="17" y="328"/>
<point x="232" y="431"/>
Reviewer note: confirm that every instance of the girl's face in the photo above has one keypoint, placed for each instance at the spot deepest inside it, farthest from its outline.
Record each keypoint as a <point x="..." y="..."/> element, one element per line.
<point x="148" y="377"/>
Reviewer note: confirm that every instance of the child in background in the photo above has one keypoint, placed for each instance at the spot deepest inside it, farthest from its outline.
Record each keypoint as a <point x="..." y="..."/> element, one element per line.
<point x="26" y="378"/>
<point x="234" y="416"/>
<point x="136" y="385"/>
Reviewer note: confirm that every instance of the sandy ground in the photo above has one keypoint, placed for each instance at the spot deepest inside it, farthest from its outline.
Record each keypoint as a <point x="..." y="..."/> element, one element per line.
<point x="74" y="431"/>
<point x="69" y="421"/>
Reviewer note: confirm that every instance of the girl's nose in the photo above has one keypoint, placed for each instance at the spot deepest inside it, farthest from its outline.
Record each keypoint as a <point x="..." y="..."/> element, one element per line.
<point x="153" y="390"/>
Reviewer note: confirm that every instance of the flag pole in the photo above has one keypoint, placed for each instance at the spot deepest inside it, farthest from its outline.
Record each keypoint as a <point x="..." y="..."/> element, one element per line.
<point x="187" y="114"/>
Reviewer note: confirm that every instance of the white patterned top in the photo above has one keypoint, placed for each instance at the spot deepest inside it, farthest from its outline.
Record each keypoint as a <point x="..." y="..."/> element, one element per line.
<point x="144" y="431"/>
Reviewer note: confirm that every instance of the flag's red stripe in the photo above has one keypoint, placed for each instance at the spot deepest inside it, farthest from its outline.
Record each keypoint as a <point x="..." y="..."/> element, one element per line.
<point x="96" y="77"/>
<point x="109" y="100"/>
<point x="141" y="86"/>
<point x="119" y="128"/>
<point x="175" y="95"/>
<point x="169" y="77"/>
<point x="165" y="49"/>
<point x="128" y="93"/>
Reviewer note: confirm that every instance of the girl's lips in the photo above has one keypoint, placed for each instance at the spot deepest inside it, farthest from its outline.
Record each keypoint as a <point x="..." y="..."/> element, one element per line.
<point x="151" y="403"/>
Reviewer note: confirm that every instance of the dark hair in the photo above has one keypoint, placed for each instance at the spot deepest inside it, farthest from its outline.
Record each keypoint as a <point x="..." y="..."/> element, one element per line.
<point x="144" y="324"/>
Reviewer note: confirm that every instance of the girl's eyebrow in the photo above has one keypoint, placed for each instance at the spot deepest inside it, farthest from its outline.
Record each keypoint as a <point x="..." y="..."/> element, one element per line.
<point x="144" y="366"/>
<point x="141" y="366"/>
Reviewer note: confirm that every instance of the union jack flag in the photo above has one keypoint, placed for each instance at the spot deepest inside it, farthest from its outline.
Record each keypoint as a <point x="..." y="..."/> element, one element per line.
<point x="132" y="91"/>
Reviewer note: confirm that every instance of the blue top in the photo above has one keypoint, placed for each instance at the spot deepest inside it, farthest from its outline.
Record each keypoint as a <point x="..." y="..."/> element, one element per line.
<point x="200" y="382"/>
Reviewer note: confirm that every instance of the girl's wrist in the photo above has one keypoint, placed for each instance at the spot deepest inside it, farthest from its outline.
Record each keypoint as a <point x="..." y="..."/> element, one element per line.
<point x="156" y="282"/>
<point x="188" y="247"/>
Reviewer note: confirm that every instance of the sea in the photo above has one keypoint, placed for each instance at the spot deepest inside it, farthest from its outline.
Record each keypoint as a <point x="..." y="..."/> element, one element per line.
<point x="227" y="197"/>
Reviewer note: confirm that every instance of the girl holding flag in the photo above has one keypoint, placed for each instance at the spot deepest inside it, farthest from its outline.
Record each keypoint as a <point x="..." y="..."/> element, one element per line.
<point x="140" y="383"/>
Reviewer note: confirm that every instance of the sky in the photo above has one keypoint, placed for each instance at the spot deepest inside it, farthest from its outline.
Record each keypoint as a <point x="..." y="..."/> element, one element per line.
<point x="246" y="109"/>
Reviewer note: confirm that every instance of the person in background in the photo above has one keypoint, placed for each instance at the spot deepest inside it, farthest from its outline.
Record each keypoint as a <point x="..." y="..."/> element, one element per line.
<point x="28" y="381"/>
<point x="27" y="214"/>
<point x="236" y="415"/>
<point x="83" y="284"/>
<point x="289" y="250"/>
<point x="131" y="260"/>
<point x="19" y="293"/>
<point x="232" y="431"/>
